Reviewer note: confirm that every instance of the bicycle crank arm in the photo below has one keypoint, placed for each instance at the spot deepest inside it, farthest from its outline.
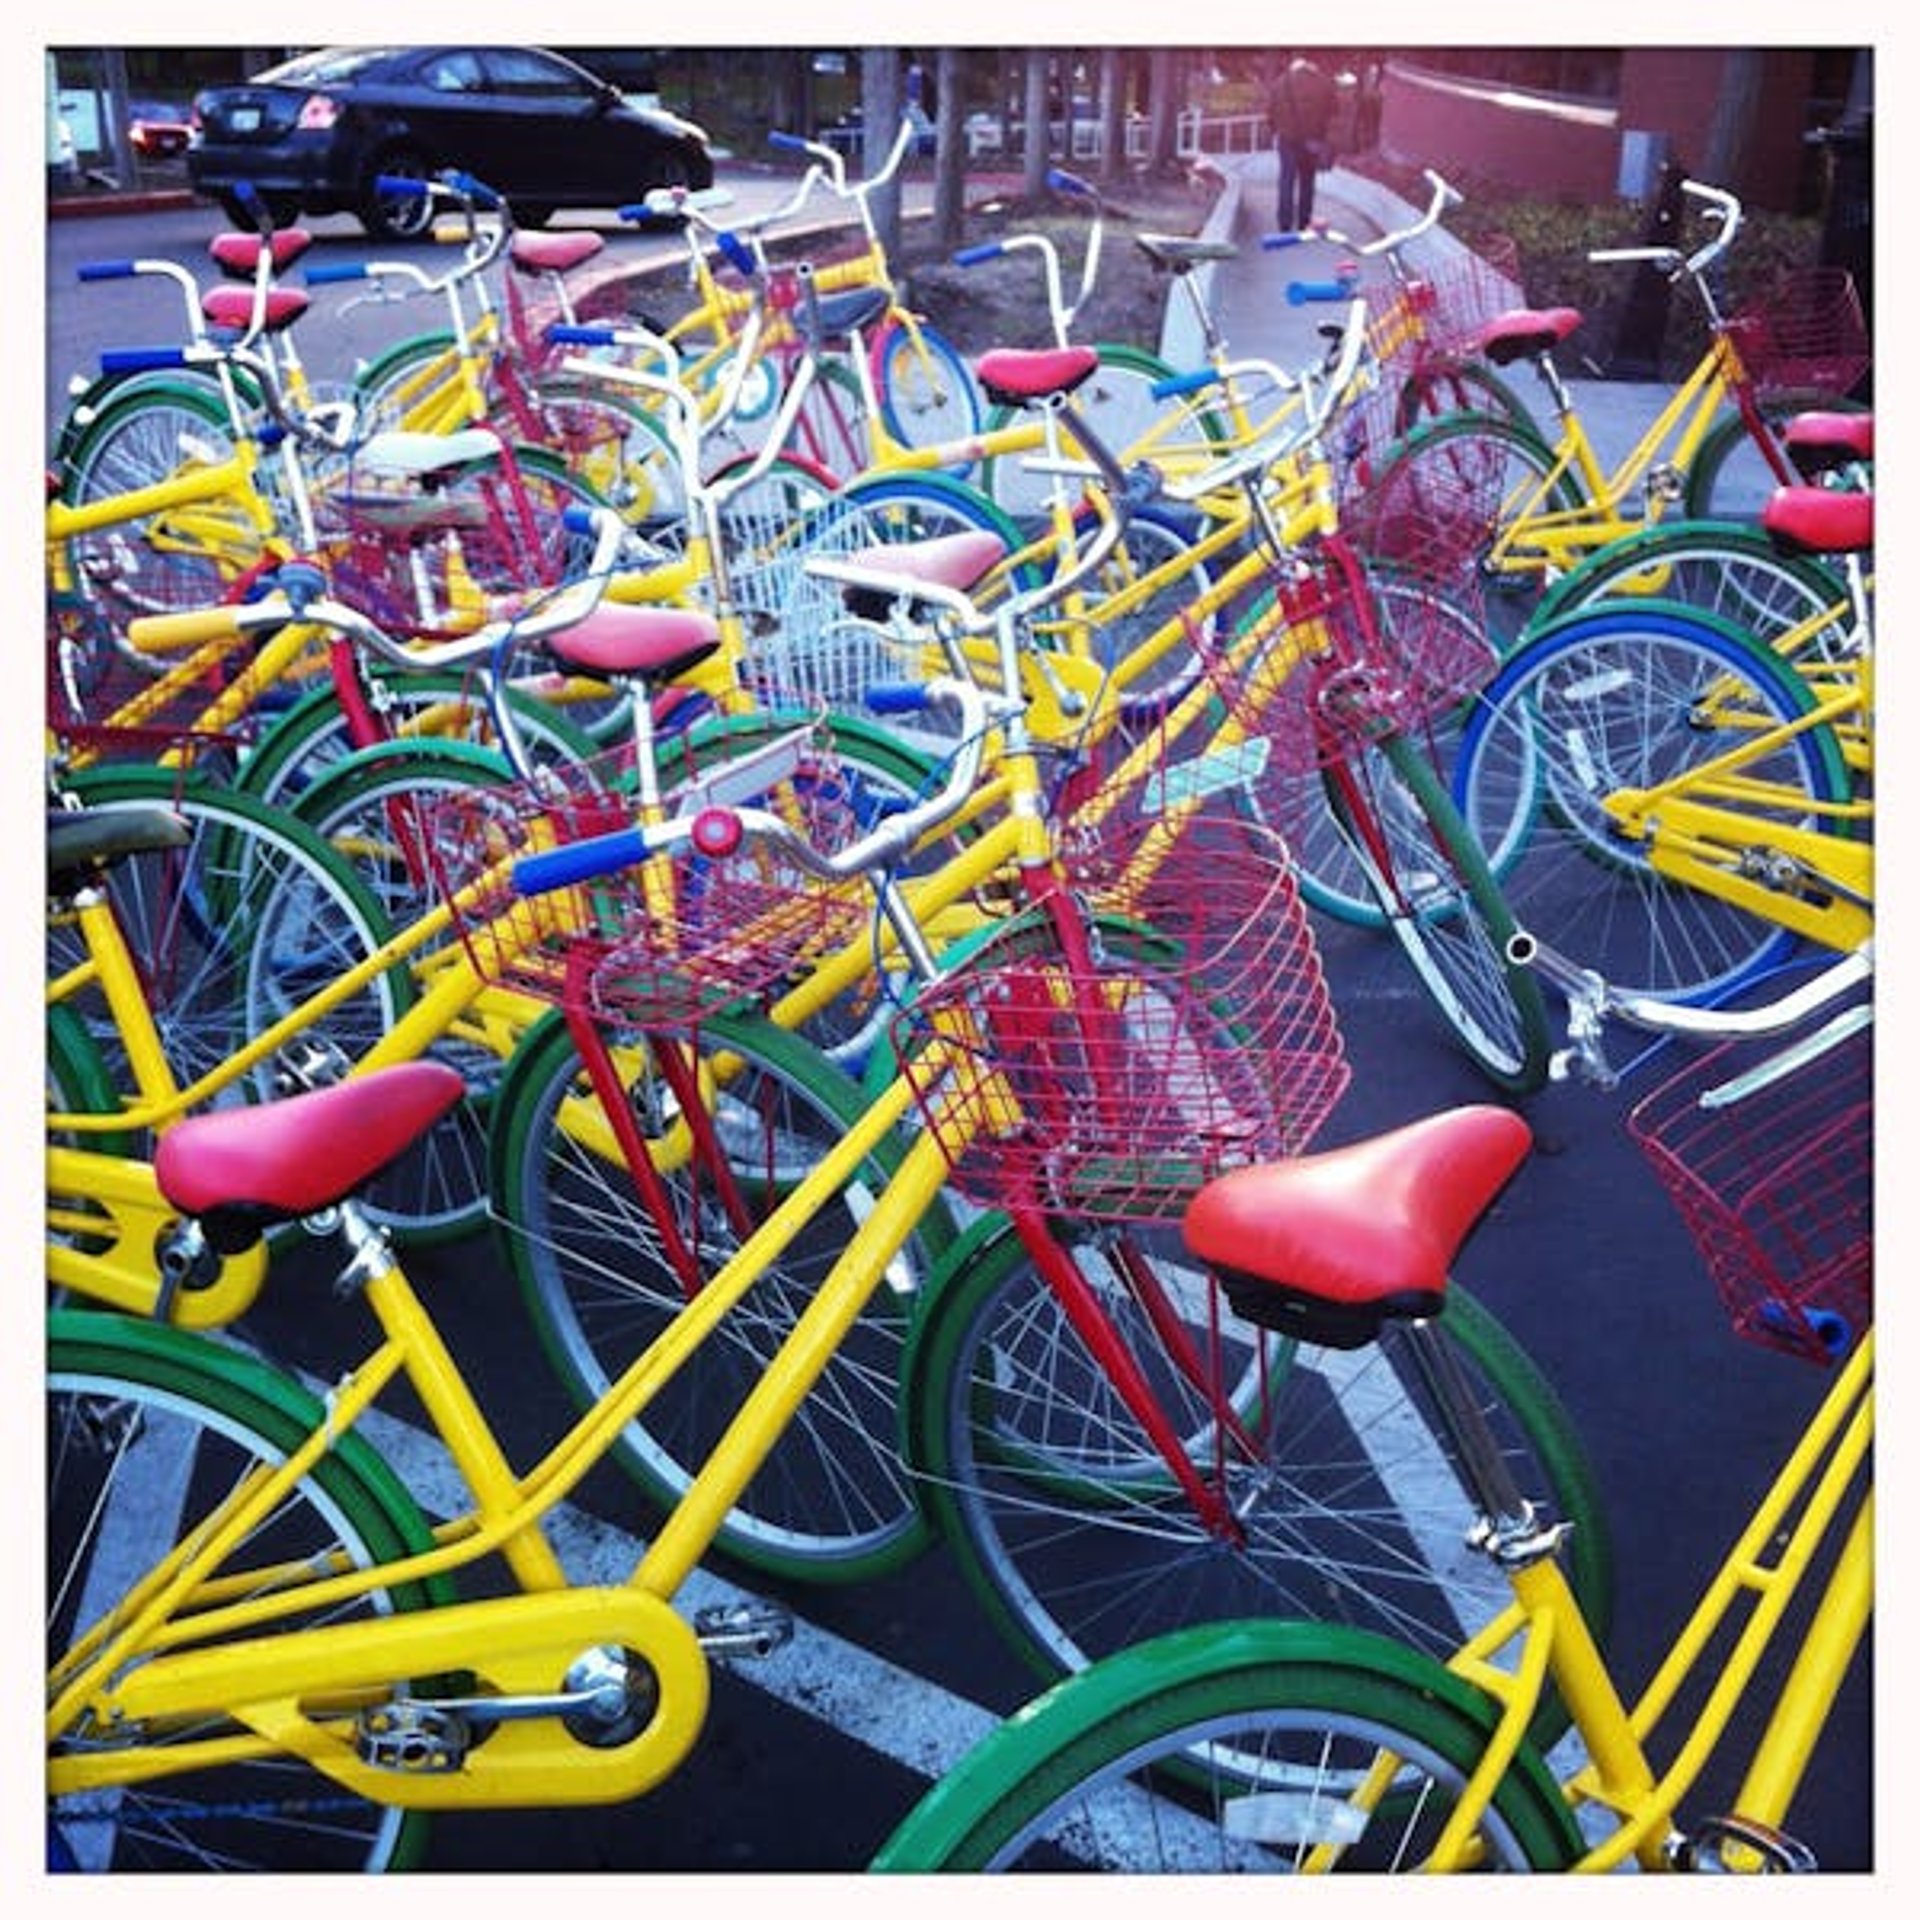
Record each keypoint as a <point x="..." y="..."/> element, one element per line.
<point x="582" y="1697"/>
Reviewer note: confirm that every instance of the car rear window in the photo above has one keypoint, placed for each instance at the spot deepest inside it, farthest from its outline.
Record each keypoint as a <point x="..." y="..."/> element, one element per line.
<point x="330" y="67"/>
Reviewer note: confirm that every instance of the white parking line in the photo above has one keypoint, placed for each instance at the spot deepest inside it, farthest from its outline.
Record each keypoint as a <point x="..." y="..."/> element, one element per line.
<point x="895" y="1713"/>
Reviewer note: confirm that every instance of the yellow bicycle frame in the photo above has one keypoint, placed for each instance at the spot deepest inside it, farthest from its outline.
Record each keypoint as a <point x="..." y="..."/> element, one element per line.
<point x="1747" y="1598"/>
<point x="1537" y="539"/>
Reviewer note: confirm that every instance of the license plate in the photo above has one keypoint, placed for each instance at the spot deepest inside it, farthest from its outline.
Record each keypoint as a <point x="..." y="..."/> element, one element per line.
<point x="246" y="119"/>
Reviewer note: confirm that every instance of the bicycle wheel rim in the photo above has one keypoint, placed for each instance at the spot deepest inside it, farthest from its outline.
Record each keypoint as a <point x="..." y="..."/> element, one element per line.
<point x="1070" y="1528"/>
<point x="239" y="930"/>
<point x="1604" y="699"/>
<point x="831" y="1501"/>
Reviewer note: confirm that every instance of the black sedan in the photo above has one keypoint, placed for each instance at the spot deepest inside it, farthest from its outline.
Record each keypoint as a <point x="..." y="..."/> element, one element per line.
<point x="316" y="134"/>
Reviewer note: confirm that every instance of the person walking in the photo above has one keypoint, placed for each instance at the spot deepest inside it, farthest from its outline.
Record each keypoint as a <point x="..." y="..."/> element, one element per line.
<point x="1300" y="115"/>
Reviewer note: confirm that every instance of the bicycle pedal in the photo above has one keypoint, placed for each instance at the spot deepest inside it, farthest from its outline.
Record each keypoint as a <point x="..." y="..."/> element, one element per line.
<point x="412" y="1736"/>
<point x="1725" y="1843"/>
<point x="750" y="1630"/>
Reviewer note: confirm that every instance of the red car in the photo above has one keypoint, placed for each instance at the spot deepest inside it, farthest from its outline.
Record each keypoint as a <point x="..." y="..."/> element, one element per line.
<point x="158" y="132"/>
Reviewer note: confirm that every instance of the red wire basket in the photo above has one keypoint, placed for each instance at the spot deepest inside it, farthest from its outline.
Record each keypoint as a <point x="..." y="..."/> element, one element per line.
<point x="100" y="705"/>
<point x="1341" y="646"/>
<point x="1418" y="327"/>
<point x="1807" y="334"/>
<point x="1439" y="311"/>
<point x="1196" y="1034"/>
<point x="433" y="557"/>
<point x="1776" y="1187"/>
<point x="1431" y="515"/>
<point x="661" y="943"/>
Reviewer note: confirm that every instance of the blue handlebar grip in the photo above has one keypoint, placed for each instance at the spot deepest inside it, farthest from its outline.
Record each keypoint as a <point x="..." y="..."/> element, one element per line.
<point x="1064" y="182"/>
<point x="399" y="183"/>
<point x="1833" y="1330"/>
<point x="896" y="696"/>
<point x="787" y="142"/>
<point x="1300" y="292"/>
<point x="477" y="191"/>
<point x="1183" y="383"/>
<point x="583" y="860"/>
<point x="331" y="270"/>
<point x="141" y="359"/>
<point x="575" y="333"/>
<point x="738" y="253"/>
<point x="106" y="270"/>
<point x="1273" y="242"/>
<point x="972" y="256"/>
<point x="578" y="519"/>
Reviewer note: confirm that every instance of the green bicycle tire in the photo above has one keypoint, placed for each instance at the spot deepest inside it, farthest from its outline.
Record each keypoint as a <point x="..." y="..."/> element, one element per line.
<point x="377" y="382"/>
<point x="1128" y="1731"/>
<point x="366" y="808"/>
<point x="243" y="928"/>
<point x="310" y="736"/>
<point x="1447" y="913"/>
<point x="138" y="440"/>
<point x="134" y="1388"/>
<point x="1710" y="487"/>
<point x="1720" y="567"/>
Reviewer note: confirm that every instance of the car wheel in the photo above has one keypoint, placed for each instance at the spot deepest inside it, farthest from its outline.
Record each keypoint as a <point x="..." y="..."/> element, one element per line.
<point x="396" y="216"/>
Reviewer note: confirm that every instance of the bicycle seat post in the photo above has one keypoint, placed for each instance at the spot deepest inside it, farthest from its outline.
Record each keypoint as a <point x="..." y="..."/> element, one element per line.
<point x="1508" y="1528"/>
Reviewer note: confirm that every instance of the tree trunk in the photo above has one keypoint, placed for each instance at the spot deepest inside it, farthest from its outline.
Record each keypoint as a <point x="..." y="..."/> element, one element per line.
<point x="880" y="118"/>
<point x="1163" y="107"/>
<point x="949" y="151"/>
<point x="790" y="91"/>
<point x="1033" y="159"/>
<point x="1113" y="115"/>
<point x="1736" y="110"/>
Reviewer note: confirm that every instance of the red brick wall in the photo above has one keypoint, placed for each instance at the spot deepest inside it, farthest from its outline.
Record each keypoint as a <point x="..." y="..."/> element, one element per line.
<point x="1562" y="148"/>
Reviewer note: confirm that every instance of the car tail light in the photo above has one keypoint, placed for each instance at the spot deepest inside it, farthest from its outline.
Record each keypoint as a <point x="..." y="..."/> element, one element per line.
<point x="318" y="112"/>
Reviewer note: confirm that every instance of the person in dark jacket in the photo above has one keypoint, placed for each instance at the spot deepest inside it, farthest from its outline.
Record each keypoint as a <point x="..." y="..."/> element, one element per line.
<point x="1300" y="113"/>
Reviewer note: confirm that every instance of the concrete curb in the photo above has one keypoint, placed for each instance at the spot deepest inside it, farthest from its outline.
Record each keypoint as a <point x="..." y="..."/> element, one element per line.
<point x="83" y="206"/>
